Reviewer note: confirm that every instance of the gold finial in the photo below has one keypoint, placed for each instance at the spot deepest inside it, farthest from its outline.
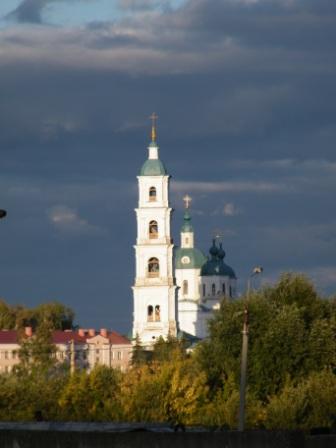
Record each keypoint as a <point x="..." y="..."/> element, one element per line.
<point x="154" y="118"/>
<point x="187" y="201"/>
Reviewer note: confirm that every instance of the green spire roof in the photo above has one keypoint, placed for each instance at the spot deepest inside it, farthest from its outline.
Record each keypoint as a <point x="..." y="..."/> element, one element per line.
<point x="153" y="167"/>
<point x="187" y="227"/>
<point x="189" y="258"/>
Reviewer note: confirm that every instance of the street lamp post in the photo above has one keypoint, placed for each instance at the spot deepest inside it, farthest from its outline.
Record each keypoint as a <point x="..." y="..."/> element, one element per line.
<point x="241" y="425"/>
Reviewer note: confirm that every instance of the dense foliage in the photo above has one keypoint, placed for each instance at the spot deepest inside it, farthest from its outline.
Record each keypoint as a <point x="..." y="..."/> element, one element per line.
<point x="56" y="315"/>
<point x="291" y="372"/>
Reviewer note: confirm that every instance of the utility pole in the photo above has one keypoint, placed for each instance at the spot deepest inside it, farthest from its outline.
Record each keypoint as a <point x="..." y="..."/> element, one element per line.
<point x="243" y="372"/>
<point x="72" y="357"/>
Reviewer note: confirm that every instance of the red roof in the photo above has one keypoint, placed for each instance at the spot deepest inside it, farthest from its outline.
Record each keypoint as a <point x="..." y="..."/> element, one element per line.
<point x="116" y="338"/>
<point x="65" y="337"/>
<point x="8" y="337"/>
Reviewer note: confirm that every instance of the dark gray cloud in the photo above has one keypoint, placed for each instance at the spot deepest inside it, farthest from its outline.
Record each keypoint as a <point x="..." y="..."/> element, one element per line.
<point x="245" y="93"/>
<point x="30" y="11"/>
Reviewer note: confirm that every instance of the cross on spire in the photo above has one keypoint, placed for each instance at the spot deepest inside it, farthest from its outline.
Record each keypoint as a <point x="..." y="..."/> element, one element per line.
<point x="218" y="234"/>
<point x="154" y="118"/>
<point x="187" y="201"/>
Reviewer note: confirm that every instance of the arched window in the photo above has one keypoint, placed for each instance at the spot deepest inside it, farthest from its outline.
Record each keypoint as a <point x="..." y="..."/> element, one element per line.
<point x="213" y="289"/>
<point x="153" y="267"/>
<point x="153" y="230"/>
<point x="152" y="194"/>
<point x="150" y="313"/>
<point x="223" y="288"/>
<point x="185" y="287"/>
<point x="203" y="289"/>
<point x="157" y="313"/>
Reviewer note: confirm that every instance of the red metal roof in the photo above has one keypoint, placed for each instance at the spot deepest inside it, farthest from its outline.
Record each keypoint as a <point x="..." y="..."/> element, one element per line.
<point x="116" y="338"/>
<point x="8" y="337"/>
<point x="65" y="337"/>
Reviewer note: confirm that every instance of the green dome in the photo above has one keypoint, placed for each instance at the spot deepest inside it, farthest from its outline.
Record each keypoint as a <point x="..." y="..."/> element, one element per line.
<point x="187" y="227"/>
<point x="153" y="167"/>
<point x="194" y="258"/>
<point x="215" y="264"/>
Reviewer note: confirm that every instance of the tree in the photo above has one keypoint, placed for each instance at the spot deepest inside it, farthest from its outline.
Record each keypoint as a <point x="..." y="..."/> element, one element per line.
<point x="139" y="355"/>
<point x="38" y="352"/>
<point x="291" y="332"/>
<point x="93" y="396"/>
<point x="55" y="314"/>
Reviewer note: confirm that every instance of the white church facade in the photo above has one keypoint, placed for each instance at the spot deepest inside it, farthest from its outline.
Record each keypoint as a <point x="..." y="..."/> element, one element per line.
<point x="176" y="289"/>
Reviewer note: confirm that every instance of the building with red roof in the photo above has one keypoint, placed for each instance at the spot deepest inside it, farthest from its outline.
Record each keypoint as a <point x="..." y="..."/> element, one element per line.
<point x="82" y="349"/>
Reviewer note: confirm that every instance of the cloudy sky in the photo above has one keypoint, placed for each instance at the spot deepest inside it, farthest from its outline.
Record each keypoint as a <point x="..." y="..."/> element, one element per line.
<point x="245" y="91"/>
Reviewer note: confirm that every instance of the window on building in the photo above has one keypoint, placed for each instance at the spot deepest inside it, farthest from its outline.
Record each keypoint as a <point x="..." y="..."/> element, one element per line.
<point x="153" y="267"/>
<point x="213" y="289"/>
<point x="153" y="230"/>
<point x="157" y="313"/>
<point x="6" y="355"/>
<point x="152" y="194"/>
<point x="185" y="287"/>
<point x="150" y="313"/>
<point x="223" y="288"/>
<point x="14" y="354"/>
<point x="230" y="291"/>
<point x="204" y="290"/>
<point x="187" y="241"/>
<point x="119" y="355"/>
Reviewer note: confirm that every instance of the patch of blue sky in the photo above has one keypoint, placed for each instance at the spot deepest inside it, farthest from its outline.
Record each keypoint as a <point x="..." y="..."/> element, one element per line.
<point x="85" y="11"/>
<point x="7" y="6"/>
<point x="81" y="12"/>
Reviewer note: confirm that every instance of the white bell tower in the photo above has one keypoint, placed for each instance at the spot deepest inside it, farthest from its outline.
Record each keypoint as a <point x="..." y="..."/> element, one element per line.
<point x="154" y="291"/>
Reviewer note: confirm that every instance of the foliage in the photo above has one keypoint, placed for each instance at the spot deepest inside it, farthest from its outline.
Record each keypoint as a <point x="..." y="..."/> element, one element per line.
<point x="292" y="332"/>
<point x="310" y="403"/>
<point x="38" y="352"/>
<point x="92" y="397"/>
<point x="55" y="314"/>
<point x="291" y="369"/>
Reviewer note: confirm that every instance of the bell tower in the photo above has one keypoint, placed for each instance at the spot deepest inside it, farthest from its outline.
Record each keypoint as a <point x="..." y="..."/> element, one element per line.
<point x="154" y="290"/>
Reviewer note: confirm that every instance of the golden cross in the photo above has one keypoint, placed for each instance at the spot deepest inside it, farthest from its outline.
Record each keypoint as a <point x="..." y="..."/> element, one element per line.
<point x="154" y="118"/>
<point x="187" y="201"/>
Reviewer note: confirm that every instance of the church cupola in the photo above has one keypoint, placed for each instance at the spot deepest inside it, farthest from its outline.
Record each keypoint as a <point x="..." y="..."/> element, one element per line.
<point x="187" y="231"/>
<point x="153" y="165"/>
<point x="188" y="257"/>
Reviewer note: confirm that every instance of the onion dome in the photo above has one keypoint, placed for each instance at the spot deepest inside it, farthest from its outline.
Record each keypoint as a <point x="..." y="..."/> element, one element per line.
<point x="187" y="227"/>
<point x="221" y="252"/>
<point x="215" y="264"/>
<point x="213" y="249"/>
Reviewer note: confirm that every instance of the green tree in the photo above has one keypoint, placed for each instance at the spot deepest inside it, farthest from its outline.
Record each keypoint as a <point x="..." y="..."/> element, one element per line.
<point x="291" y="333"/>
<point x="307" y="404"/>
<point x="93" y="396"/>
<point x="139" y="355"/>
<point x="37" y="353"/>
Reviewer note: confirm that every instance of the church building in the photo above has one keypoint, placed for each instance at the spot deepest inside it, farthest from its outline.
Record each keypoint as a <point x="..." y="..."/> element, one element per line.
<point x="176" y="290"/>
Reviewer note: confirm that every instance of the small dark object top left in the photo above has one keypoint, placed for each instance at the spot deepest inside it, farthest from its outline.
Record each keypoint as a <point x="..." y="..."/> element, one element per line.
<point x="3" y="213"/>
